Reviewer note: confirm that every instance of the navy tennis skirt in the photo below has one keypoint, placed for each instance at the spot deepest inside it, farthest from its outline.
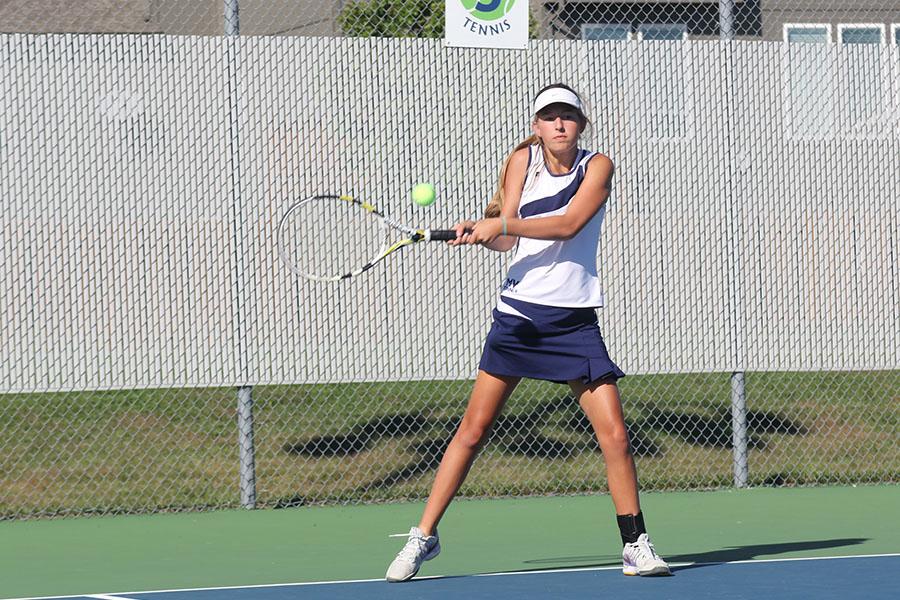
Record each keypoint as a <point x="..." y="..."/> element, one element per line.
<point x="554" y="344"/>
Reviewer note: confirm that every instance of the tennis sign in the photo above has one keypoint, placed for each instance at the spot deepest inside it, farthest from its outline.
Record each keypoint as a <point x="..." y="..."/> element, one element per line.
<point x="486" y="23"/>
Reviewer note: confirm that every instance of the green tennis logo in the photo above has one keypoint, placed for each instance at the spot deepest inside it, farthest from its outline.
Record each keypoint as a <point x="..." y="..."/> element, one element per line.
<point x="488" y="10"/>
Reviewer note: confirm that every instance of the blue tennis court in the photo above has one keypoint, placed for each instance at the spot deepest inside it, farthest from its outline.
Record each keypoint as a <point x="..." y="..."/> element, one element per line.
<point x="870" y="577"/>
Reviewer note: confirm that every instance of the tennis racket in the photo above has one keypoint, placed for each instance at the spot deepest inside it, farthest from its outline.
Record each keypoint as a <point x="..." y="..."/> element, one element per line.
<point x="330" y="238"/>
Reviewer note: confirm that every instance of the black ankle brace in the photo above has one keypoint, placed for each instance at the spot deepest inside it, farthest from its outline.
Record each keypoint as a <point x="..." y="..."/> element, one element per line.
<point x="631" y="527"/>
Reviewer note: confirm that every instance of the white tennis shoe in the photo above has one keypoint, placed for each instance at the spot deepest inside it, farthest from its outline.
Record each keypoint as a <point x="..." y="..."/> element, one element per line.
<point x="640" y="558"/>
<point x="417" y="550"/>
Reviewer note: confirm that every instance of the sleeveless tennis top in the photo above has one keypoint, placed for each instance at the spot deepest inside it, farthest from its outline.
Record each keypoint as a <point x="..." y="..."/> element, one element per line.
<point x="559" y="273"/>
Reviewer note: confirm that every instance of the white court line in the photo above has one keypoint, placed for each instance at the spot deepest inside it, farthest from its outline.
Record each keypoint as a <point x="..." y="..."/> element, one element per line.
<point x="119" y="595"/>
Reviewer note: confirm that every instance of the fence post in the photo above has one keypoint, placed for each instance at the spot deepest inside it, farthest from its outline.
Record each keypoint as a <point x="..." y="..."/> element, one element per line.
<point x="739" y="440"/>
<point x="247" y="452"/>
<point x="726" y="19"/>
<point x="739" y="429"/>
<point x="232" y="20"/>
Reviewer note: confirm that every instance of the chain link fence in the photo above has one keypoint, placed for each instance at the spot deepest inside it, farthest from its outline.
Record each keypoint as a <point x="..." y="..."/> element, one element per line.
<point x="156" y="356"/>
<point x="859" y="21"/>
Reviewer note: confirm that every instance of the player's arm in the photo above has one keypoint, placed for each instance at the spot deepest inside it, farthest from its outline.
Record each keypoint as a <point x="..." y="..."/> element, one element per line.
<point x="590" y="197"/>
<point x="512" y="194"/>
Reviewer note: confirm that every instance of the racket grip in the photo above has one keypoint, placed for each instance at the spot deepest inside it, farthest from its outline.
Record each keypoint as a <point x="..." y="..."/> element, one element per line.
<point x="442" y="235"/>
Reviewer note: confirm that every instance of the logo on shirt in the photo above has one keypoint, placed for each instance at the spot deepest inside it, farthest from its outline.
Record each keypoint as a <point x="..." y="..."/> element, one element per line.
<point x="509" y="285"/>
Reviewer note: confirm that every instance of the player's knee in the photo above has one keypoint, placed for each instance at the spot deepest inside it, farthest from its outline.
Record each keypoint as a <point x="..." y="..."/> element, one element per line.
<point x="472" y="435"/>
<point x="616" y="441"/>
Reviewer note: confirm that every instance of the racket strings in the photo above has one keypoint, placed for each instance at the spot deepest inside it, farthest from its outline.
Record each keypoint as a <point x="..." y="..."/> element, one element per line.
<point x="327" y="238"/>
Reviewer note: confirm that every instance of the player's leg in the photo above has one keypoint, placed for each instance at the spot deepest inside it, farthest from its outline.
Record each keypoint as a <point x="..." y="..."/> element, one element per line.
<point x="601" y="404"/>
<point x="489" y="394"/>
<point x="486" y="401"/>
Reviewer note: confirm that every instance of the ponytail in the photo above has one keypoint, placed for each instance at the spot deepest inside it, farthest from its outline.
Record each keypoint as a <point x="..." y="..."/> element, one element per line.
<point x="494" y="207"/>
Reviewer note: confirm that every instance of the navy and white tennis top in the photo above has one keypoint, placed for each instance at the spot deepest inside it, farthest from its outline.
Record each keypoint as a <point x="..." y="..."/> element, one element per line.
<point x="559" y="273"/>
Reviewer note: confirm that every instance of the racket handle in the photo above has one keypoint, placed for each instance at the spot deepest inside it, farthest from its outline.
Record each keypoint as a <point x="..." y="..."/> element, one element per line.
<point x="442" y="235"/>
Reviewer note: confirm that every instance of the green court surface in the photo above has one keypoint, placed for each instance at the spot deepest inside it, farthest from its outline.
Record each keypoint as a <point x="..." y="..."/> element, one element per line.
<point x="227" y="548"/>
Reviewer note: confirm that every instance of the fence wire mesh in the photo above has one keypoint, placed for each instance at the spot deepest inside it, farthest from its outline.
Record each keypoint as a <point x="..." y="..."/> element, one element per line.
<point x="860" y="21"/>
<point x="157" y="355"/>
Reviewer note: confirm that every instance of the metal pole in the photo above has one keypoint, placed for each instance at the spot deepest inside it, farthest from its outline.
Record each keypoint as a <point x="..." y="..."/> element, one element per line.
<point x="726" y="19"/>
<point x="739" y="429"/>
<point x="738" y="396"/>
<point x="247" y="451"/>
<point x="232" y="20"/>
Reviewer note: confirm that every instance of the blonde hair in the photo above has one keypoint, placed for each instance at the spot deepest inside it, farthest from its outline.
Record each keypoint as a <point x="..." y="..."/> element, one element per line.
<point x="495" y="205"/>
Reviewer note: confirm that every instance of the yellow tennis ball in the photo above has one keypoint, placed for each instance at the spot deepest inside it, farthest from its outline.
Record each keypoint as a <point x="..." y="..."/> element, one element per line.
<point x="423" y="194"/>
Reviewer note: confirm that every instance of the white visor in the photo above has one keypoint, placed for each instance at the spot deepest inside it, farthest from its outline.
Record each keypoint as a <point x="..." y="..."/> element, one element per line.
<point x="557" y="95"/>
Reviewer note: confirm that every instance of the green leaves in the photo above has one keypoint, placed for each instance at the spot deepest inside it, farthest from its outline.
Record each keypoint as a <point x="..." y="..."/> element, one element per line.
<point x="393" y="18"/>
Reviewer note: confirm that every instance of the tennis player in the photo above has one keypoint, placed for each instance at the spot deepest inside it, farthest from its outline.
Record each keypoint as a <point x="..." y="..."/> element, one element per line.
<point x="549" y="206"/>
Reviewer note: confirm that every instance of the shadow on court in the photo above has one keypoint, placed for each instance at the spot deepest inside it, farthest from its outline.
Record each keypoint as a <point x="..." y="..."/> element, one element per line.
<point x="701" y="559"/>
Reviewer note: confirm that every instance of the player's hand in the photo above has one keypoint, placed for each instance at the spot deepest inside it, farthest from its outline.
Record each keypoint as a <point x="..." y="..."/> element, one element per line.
<point x="463" y="233"/>
<point x="486" y="231"/>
